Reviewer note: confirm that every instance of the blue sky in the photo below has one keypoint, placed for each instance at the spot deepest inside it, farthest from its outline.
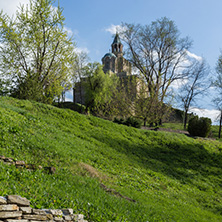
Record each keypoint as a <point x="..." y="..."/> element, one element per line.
<point x="200" y="20"/>
<point x="90" y="20"/>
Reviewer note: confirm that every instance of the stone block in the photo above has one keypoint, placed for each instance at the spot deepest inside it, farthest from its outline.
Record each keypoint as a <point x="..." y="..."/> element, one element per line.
<point x="78" y="216"/>
<point x="9" y="207"/>
<point x="39" y="211"/>
<point x="8" y="214"/>
<point x="58" y="219"/>
<point x="67" y="217"/>
<point x="19" y="163"/>
<point x="3" y="200"/>
<point x="21" y="201"/>
<point x="37" y="217"/>
<point x="9" y="160"/>
<point x="68" y="211"/>
<point x="11" y="220"/>
<point x="26" y="210"/>
<point x="56" y="212"/>
<point x="38" y="221"/>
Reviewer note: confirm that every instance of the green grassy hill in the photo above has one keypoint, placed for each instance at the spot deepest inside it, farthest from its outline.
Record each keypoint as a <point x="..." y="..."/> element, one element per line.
<point x="170" y="177"/>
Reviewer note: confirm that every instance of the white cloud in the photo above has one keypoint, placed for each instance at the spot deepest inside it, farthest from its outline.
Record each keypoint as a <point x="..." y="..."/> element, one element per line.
<point x="178" y="83"/>
<point x="113" y="29"/>
<point x="194" y="56"/>
<point x="69" y="31"/>
<point x="10" y="6"/>
<point x="186" y="63"/>
<point x="82" y="49"/>
<point x="212" y="114"/>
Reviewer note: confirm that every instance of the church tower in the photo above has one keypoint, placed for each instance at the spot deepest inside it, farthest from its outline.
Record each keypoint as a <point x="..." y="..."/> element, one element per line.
<point x="117" y="46"/>
<point x="114" y="62"/>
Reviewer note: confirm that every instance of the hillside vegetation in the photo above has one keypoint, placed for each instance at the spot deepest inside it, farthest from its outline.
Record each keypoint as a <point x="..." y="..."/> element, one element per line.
<point x="147" y="175"/>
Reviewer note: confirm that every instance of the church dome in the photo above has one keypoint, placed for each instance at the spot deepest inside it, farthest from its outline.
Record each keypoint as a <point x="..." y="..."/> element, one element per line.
<point x="109" y="55"/>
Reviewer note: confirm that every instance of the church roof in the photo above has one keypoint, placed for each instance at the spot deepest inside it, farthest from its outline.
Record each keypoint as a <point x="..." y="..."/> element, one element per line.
<point x="110" y="54"/>
<point x="116" y="39"/>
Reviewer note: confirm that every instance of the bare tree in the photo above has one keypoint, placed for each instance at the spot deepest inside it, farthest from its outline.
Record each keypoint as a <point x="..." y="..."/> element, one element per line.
<point x="195" y="84"/>
<point x="217" y="83"/>
<point x="159" y="54"/>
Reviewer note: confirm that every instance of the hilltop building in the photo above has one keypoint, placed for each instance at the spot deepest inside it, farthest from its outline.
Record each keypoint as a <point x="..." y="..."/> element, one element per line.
<point x="113" y="63"/>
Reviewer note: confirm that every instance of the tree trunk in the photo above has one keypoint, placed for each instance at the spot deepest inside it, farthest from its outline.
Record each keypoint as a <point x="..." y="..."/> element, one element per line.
<point x="144" y="121"/>
<point x="74" y="95"/>
<point x="185" y="120"/>
<point x="220" y="125"/>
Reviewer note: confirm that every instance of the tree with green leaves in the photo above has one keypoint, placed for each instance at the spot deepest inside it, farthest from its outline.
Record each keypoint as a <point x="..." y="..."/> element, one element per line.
<point x="159" y="54"/>
<point x="36" y="53"/>
<point x="100" y="89"/>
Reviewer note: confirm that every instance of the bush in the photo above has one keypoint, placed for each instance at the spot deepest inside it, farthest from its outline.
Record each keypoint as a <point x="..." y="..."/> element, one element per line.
<point x="199" y="126"/>
<point x="119" y="121"/>
<point x="130" y="121"/>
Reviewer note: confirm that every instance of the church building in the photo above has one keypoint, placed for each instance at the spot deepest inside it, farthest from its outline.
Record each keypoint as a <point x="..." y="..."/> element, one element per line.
<point x="113" y="63"/>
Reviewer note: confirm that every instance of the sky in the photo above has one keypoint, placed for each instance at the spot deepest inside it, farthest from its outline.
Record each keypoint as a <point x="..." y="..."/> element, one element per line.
<point x="93" y="22"/>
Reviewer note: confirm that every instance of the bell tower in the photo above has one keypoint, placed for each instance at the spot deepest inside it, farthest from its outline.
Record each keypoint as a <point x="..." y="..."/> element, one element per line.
<point x="114" y="62"/>
<point x="117" y="46"/>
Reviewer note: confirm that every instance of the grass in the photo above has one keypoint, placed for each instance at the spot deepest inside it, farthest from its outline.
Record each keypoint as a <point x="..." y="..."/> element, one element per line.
<point x="179" y="126"/>
<point x="173" y="126"/>
<point x="171" y="177"/>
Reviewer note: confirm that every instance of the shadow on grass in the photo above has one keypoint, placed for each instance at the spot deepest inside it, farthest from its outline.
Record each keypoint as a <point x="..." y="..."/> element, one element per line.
<point x="175" y="158"/>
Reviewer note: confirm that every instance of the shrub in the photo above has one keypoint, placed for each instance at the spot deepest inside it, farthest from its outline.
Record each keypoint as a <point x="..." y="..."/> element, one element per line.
<point x="199" y="126"/>
<point x="119" y="121"/>
<point x="130" y="121"/>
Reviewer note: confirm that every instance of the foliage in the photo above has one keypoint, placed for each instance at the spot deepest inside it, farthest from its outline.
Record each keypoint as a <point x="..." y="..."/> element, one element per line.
<point x="172" y="177"/>
<point x="129" y="121"/>
<point x="36" y="53"/>
<point x="199" y="126"/>
<point x="132" y="99"/>
<point x="99" y="90"/>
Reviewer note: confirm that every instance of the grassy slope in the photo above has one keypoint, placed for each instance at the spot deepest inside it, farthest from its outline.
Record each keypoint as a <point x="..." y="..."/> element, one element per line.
<point x="171" y="177"/>
<point x="179" y="126"/>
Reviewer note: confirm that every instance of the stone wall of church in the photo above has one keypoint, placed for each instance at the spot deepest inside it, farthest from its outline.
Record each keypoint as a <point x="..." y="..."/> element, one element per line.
<point x="79" y="92"/>
<point x="123" y="67"/>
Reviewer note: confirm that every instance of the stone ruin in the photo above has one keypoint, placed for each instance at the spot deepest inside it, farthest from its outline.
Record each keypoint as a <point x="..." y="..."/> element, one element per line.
<point x="14" y="208"/>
